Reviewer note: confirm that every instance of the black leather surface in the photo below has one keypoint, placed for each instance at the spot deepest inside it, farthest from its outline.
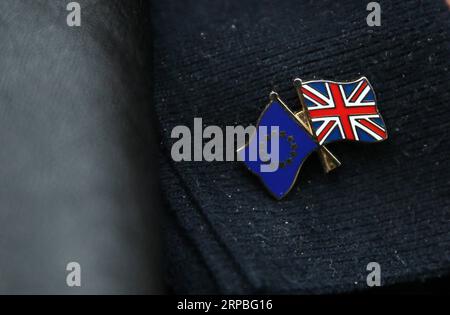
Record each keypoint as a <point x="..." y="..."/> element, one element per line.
<point x="77" y="182"/>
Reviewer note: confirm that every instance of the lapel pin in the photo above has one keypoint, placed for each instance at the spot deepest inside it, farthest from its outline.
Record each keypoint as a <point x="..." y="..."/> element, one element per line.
<point x="329" y="111"/>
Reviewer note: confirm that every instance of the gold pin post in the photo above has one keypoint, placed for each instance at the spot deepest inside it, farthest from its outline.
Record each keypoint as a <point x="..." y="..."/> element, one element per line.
<point x="329" y="161"/>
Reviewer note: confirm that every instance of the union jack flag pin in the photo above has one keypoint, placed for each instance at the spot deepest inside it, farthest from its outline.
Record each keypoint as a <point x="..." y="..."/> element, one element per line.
<point x="342" y="110"/>
<point x="329" y="112"/>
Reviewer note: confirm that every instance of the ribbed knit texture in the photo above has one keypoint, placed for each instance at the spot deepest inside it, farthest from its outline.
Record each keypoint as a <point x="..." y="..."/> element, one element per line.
<point x="388" y="203"/>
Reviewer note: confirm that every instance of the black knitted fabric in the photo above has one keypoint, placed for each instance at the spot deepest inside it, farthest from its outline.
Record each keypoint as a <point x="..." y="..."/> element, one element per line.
<point x="388" y="203"/>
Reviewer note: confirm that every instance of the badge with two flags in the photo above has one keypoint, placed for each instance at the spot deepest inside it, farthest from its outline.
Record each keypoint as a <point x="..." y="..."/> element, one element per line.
<point x="330" y="112"/>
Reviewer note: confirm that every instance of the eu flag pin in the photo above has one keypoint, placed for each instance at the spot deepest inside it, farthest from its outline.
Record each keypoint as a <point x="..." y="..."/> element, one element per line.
<point x="329" y="111"/>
